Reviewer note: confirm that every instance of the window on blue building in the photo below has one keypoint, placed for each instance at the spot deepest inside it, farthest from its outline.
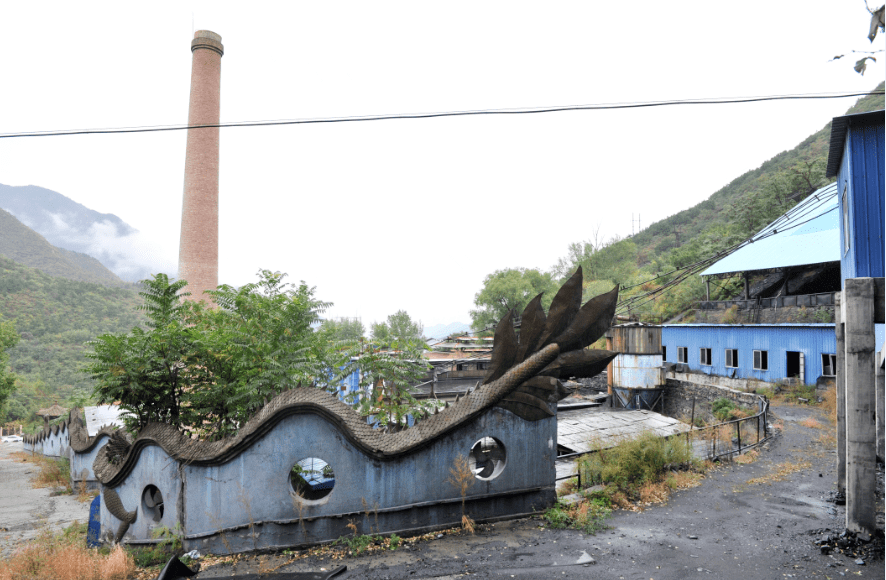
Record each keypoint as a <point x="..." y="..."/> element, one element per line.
<point x="682" y="354"/>
<point x="704" y="356"/>
<point x="829" y="365"/>
<point x="761" y="360"/>
<point x="731" y="358"/>
<point x="664" y="353"/>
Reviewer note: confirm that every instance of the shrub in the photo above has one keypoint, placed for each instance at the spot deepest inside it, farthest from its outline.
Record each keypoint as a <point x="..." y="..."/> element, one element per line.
<point x="721" y="408"/>
<point x="629" y="465"/>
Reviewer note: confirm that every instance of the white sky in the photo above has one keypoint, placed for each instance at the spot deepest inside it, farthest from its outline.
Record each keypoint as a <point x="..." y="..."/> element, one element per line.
<point x="412" y="215"/>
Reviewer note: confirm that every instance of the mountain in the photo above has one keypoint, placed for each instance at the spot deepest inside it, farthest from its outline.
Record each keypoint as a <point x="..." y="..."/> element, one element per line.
<point x="72" y="226"/>
<point x="55" y="317"/>
<point x="683" y="226"/>
<point x="23" y="245"/>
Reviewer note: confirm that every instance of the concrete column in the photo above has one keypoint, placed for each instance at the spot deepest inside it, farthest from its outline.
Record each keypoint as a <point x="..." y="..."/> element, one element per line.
<point x="841" y="396"/>
<point x="861" y="405"/>
<point x="198" y="248"/>
<point x="881" y="391"/>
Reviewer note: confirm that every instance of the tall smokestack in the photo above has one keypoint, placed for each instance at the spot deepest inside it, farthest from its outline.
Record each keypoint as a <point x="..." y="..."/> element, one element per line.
<point x="198" y="247"/>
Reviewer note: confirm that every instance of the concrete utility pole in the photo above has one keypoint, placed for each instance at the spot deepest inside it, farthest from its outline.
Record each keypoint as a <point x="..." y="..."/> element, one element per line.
<point x="198" y="248"/>
<point x="841" y="395"/>
<point x="861" y="405"/>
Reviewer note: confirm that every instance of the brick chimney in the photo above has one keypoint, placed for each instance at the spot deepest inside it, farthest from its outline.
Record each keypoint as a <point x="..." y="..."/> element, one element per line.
<point x="198" y="247"/>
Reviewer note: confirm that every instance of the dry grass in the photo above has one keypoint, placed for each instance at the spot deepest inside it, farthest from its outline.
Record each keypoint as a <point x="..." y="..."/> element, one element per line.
<point x="52" y="472"/>
<point x="781" y="472"/>
<point x="748" y="457"/>
<point x="811" y="423"/>
<point x="64" y="557"/>
<point x="829" y="405"/>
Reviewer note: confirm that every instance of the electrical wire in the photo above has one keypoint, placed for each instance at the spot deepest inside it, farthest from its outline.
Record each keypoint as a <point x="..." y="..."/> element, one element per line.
<point x="404" y="116"/>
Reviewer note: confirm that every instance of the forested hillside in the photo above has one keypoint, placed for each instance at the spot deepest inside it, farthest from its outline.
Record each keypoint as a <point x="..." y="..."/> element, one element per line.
<point x="795" y="174"/>
<point x="649" y="264"/>
<point x="25" y="246"/>
<point x="55" y="317"/>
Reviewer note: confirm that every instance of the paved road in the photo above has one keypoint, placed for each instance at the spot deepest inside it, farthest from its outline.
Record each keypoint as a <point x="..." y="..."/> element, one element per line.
<point x="742" y="530"/>
<point x="24" y="511"/>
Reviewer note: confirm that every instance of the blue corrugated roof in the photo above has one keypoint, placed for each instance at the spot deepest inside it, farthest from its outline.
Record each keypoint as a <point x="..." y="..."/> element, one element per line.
<point x="807" y="234"/>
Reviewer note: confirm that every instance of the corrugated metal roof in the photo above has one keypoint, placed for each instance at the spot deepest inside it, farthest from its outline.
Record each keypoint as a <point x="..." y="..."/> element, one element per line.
<point x="839" y="128"/>
<point x="101" y="415"/>
<point x="807" y="234"/>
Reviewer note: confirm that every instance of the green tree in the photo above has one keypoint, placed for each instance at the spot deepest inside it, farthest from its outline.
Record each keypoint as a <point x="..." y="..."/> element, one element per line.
<point x="509" y="289"/>
<point x="8" y="339"/>
<point x="387" y="379"/>
<point x="399" y="329"/>
<point x="342" y="329"/>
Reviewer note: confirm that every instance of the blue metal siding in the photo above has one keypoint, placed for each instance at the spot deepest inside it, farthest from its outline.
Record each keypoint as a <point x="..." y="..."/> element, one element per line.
<point x="862" y="169"/>
<point x="812" y="340"/>
<point x="866" y="143"/>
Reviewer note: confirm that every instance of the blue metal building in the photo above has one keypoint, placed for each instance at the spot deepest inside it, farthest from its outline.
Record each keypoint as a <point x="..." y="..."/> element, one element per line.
<point x="856" y="158"/>
<point x="767" y="352"/>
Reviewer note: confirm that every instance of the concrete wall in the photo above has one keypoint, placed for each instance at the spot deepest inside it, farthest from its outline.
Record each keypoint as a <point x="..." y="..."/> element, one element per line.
<point x="81" y="464"/>
<point x="248" y="503"/>
<point x="682" y="388"/>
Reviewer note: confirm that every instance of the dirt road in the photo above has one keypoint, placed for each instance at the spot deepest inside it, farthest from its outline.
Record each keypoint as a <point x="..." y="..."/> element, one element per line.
<point x="24" y="510"/>
<point x="746" y="521"/>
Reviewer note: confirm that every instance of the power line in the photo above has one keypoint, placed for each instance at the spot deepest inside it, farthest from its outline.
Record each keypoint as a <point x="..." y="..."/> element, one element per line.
<point x="402" y="116"/>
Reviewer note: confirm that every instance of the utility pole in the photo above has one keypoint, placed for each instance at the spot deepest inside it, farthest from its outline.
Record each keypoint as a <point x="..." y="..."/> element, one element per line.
<point x="639" y="225"/>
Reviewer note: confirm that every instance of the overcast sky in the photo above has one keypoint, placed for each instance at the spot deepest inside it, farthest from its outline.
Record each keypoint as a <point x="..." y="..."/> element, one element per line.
<point x="413" y="214"/>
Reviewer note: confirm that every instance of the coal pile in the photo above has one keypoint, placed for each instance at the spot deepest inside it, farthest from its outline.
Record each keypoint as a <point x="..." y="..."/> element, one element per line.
<point x="863" y="547"/>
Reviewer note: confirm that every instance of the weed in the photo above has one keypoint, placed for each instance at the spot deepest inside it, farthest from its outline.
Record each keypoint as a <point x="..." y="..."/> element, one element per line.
<point x="588" y="515"/>
<point x="395" y="541"/>
<point x="461" y="477"/>
<point x="169" y="543"/>
<point x="730" y="316"/>
<point x="356" y="544"/>
<point x="64" y="556"/>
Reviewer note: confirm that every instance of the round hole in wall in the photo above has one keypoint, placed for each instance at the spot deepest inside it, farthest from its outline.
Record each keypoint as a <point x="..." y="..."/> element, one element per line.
<point x="152" y="502"/>
<point x="312" y="479"/>
<point x="488" y="458"/>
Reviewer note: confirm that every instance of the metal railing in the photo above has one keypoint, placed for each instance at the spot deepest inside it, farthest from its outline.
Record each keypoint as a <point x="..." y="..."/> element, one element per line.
<point x="711" y="441"/>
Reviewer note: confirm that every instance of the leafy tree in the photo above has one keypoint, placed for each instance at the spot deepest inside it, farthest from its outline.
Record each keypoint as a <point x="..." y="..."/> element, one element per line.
<point x="510" y="289"/>
<point x="614" y="261"/>
<point x="387" y="379"/>
<point x="342" y="329"/>
<point x="399" y="328"/>
<point x="205" y="369"/>
<point x="147" y="370"/>
<point x="8" y="338"/>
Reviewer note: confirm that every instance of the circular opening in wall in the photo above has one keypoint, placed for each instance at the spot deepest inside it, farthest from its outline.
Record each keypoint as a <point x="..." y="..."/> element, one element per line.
<point x="312" y="479"/>
<point x="488" y="458"/>
<point x="152" y="503"/>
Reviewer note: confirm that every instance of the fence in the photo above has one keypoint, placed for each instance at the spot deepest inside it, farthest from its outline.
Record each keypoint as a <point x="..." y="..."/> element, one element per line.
<point x="711" y="441"/>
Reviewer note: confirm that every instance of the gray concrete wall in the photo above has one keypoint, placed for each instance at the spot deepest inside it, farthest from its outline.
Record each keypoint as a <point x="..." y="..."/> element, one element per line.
<point x="248" y="503"/>
<point x="682" y="388"/>
<point x="81" y="464"/>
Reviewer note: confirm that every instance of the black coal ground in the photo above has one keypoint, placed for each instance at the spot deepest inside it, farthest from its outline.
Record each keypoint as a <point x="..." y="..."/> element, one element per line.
<point x="730" y="527"/>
